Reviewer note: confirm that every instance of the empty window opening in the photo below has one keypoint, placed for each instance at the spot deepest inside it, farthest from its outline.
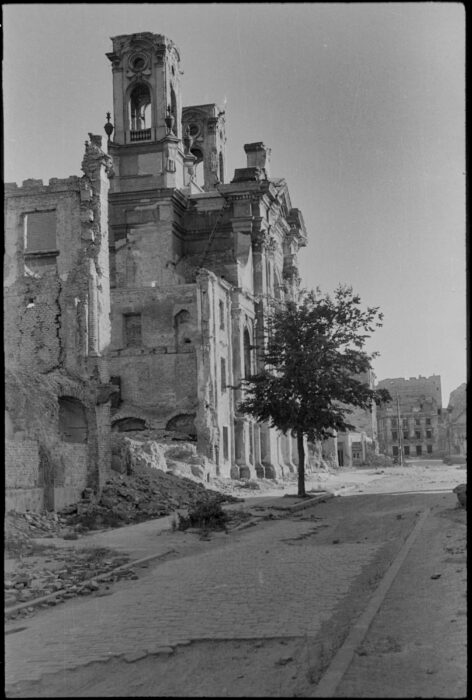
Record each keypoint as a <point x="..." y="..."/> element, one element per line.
<point x="247" y="353"/>
<point x="173" y="109"/>
<point x="419" y="450"/>
<point x="221" y="168"/>
<point x="125" y="425"/>
<point x="395" y="451"/>
<point x="140" y="110"/>
<point x="40" y="245"/>
<point x="394" y="435"/>
<point x="132" y="330"/>
<point x="222" y="314"/>
<point x="115" y="399"/>
<point x="225" y="443"/>
<point x="407" y="450"/>
<point x="198" y="169"/>
<point x="72" y="420"/>
<point x="184" y="424"/>
<point x="40" y="231"/>
<point x="183" y="332"/>
<point x="429" y="449"/>
<point x="223" y="374"/>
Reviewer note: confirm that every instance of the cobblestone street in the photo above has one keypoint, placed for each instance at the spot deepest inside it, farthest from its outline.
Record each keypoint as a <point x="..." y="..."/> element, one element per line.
<point x="269" y="584"/>
<point x="214" y="621"/>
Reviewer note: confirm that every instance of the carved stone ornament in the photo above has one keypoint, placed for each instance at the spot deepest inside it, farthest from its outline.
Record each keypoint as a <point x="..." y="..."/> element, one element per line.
<point x="261" y="240"/>
<point x="94" y="157"/>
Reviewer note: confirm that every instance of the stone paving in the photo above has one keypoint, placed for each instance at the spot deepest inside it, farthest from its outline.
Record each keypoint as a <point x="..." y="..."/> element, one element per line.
<point x="417" y="643"/>
<point x="266" y="584"/>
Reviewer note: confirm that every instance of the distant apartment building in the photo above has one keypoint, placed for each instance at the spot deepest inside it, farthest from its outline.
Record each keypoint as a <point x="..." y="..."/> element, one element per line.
<point x="412" y="424"/>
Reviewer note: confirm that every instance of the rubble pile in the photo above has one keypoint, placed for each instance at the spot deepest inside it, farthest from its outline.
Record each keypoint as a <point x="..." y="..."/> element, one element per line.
<point x="21" y="528"/>
<point x="150" y="449"/>
<point x="145" y="494"/>
<point x="66" y="572"/>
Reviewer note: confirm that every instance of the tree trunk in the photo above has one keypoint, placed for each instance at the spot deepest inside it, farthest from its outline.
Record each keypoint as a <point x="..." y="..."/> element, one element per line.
<point x="301" y="465"/>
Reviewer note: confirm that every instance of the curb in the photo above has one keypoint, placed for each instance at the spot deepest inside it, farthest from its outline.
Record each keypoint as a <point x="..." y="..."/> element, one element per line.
<point x="43" y="599"/>
<point x="332" y="677"/>
<point x="306" y="503"/>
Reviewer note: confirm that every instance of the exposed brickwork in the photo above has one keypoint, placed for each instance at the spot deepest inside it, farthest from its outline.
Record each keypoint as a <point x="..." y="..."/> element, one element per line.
<point x="56" y="304"/>
<point x="21" y="464"/>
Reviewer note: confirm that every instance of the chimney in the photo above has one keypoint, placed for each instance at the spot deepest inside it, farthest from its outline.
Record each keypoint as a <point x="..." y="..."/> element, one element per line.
<point x="258" y="156"/>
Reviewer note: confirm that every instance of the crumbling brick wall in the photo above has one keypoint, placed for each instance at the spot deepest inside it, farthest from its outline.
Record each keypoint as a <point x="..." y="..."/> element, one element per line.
<point x="157" y="364"/>
<point x="56" y="305"/>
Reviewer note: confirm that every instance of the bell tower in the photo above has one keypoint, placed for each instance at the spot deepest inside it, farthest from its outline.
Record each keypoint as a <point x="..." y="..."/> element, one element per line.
<point x="147" y="109"/>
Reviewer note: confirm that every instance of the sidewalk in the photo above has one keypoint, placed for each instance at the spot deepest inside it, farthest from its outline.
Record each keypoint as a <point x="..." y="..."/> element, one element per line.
<point x="142" y="540"/>
<point x="145" y="542"/>
<point x="416" y="644"/>
<point x="234" y="591"/>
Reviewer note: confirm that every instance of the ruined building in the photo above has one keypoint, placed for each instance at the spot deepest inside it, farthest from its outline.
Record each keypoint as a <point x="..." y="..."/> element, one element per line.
<point x="193" y="262"/>
<point x="456" y="422"/>
<point x="152" y="272"/>
<point x="352" y="448"/>
<point x="413" y="421"/>
<point x="56" y="333"/>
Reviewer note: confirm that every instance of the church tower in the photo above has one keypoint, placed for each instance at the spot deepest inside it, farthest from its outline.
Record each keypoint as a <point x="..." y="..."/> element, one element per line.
<point x="147" y="111"/>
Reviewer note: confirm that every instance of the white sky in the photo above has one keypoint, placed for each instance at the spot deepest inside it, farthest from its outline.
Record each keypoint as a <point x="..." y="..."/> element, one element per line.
<point x="362" y="104"/>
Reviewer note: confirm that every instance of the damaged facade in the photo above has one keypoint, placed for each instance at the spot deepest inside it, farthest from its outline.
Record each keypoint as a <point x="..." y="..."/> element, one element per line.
<point x="195" y="260"/>
<point x="57" y="331"/>
<point x="353" y="448"/>
<point x="151" y="274"/>
<point x="456" y="422"/>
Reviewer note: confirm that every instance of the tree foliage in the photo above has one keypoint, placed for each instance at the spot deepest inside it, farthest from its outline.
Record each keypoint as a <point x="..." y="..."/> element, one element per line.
<point x="314" y="366"/>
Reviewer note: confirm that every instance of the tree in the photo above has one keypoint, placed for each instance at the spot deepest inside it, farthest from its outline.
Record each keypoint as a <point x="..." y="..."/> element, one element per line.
<point x="312" y="366"/>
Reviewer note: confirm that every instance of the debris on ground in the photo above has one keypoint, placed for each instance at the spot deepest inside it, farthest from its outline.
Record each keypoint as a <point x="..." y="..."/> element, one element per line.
<point x="205" y="515"/>
<point x="146" y="494"/>
<point x="461" y="492"/>
<point x="20" y="529"/>
<point x="35" y="570"/>
<point x="66" y="572"/>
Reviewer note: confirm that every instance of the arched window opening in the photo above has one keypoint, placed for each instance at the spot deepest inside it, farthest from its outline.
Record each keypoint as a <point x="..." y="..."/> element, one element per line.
<point x="125" y="425"/>
<point x="140" y="109"/>
<point x="72" y="420"/>
<point x="183" y="423"/>
<point x="199" y="175"/>
<point x="247" y="353"/>
<point x="221" y="167"/>
<point x="183" y="332"/>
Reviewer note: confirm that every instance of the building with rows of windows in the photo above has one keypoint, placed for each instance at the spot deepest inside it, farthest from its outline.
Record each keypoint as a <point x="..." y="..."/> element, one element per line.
<point x="412" y="425"/>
